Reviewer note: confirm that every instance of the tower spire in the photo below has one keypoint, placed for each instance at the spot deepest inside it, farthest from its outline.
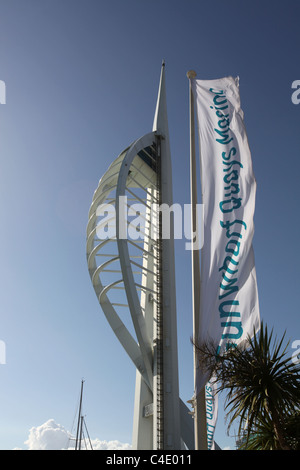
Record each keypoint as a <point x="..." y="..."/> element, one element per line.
<point x="160" y="123"/>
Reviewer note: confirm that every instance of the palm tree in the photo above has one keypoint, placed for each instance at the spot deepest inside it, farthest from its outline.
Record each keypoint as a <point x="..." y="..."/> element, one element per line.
<point x="262" y="384"/>
<point x="263" y="437"/>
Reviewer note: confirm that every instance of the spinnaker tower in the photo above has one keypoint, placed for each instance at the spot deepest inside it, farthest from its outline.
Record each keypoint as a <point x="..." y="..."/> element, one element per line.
<point x="131" y="263"/>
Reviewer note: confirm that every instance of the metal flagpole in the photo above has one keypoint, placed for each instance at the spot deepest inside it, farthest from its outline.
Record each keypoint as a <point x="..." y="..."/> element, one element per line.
<point x="199" y="400"/>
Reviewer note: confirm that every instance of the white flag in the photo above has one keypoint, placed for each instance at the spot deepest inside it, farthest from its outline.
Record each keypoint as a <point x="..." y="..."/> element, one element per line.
<point x="229" y="308"/>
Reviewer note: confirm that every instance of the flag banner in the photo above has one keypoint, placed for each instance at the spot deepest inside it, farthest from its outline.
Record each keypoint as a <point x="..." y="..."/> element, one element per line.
<point x="211" y="404"/>
<point x="229" y="308"/>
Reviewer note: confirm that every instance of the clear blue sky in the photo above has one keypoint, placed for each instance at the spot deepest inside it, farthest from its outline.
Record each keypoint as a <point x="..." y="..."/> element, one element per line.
<point x="81" y="84"/>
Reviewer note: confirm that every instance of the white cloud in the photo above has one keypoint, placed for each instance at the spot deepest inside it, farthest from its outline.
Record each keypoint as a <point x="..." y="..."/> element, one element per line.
<point x="53" y="436"/>
<point x="109" y="445"/>
<point x="48" y="436"/>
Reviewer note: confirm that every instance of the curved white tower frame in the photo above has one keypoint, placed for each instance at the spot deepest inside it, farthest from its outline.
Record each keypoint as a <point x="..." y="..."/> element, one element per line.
<point x="132" y="268"/>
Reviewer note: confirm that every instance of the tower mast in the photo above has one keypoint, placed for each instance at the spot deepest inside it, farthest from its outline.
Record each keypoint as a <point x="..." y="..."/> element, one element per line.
<point x="167" y="386"/>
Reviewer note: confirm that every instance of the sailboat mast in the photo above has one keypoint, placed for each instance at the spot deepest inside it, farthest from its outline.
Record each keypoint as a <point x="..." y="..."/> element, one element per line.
<point x="78" y="433"/>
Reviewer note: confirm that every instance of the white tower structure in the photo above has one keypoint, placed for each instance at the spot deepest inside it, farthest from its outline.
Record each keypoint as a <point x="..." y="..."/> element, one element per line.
<point x="130" y="256"/>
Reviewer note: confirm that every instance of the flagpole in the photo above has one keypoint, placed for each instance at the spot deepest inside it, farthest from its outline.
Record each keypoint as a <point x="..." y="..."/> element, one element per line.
<point x="199" y="400"/>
